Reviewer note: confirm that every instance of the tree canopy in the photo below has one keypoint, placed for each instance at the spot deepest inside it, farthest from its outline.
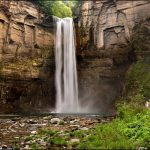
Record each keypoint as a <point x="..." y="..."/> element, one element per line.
<point x="61" y="8"/>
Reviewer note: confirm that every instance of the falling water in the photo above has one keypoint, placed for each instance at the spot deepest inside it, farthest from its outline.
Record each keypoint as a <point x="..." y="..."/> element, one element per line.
<point x="66" y="71"/>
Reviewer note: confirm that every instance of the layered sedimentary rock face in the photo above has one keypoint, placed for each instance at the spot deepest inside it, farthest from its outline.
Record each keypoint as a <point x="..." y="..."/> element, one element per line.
<point x="107" y="28"/>
<point x="23" y="27"/>
<point x="26" y="57"/>
<point x="106" y="23"/>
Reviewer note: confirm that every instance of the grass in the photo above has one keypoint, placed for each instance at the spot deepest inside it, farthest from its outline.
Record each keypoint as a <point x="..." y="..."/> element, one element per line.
<point x="61" y="122"/>
<point x="77" y="134"/>
<point x="57" y="141"/>
<point x="131" y="128"/>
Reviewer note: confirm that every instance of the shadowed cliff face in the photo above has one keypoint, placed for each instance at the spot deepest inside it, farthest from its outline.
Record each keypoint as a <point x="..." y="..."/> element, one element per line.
<point x="106" y="32"/>
<point x="26" y="58"/>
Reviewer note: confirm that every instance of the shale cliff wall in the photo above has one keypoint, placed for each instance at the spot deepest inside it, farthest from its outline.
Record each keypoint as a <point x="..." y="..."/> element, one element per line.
<point x="26" y="57"/>
<point x="23" y="28"/>
<point x="107" y="23"/>
<point x="108" y="31"/>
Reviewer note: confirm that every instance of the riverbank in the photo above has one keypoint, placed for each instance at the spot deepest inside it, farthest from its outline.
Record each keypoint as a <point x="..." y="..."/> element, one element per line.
<point x="45" y="131"/>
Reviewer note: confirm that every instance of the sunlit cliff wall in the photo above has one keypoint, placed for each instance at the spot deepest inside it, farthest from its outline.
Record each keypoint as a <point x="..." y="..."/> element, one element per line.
<point x="26" y="57"/>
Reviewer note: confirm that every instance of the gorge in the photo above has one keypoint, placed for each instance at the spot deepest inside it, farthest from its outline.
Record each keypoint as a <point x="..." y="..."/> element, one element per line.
<point x="75" y="74"/>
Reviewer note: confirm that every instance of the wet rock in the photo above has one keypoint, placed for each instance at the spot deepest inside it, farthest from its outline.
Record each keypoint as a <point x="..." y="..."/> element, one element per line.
<point x="22" y="124"/>
<point x="55" y="120"/>
<point x="4" y="146"/>
<point x="31" y="121"/>
<point x="76" y="121"/>
<point x="84" y="129"/>
<point x="32" y="128"/>
<point x="26" y="147"/>
<point x="47" y="117"/>
<point x="15" y="119"/>
<point x="42" y="143"/>
<point x="33" y="132"/>
<point x="74" y="127"/>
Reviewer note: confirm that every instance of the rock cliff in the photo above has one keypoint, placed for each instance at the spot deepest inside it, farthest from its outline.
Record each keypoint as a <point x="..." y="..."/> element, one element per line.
<point x="26" y="57"/>
<point x="107" y="30"/>
<point x="106" y="23"/>
<point x="23" y="28"/>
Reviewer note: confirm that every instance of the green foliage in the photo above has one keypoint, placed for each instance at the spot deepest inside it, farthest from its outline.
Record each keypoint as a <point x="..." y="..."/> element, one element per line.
<point x="138" y="81"/>
<point x="34" y="146"/>
<point x="131" y="128"/>
<point x="135" y="123"/>
<point x="106" y="136"/>
<point x="78" y="134"/>
<point x="60" y="8"/>
<point x="28" y="138"/>
<point x="47" y="132"/>
<point x="61" y="122"/>
<point x="57" y="141"/>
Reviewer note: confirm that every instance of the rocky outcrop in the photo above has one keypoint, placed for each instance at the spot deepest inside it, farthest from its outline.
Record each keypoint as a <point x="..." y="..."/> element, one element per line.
<point x="106" y="23"/>
<point x="26" y="58"/>
<point x="107" y="28"/>
<point x="23" y="28"/>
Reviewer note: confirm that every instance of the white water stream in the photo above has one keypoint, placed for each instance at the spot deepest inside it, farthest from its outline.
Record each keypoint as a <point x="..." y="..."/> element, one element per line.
<point x="66" y="70"/>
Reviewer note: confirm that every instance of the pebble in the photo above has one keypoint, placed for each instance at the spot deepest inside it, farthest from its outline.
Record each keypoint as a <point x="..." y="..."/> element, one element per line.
<point x="74" y="140"/>
<point x="42" y="143"/>
<point x="75" y="126"/>
<point x="35" y="64"/>
<point x="33" y="132"/>
<point x="76" y="121"/>
<point x="31" y="121"/>
<point x="55" y="120"/>
<point x="84" y="129"/>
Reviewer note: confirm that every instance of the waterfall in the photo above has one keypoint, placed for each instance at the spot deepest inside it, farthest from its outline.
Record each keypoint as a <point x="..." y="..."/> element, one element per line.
<point x="66" y="70"/>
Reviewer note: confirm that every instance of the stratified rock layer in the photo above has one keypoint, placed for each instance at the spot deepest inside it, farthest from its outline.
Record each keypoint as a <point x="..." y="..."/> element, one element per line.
<point x="26" y="58"/>
<point x="107" y="28"/>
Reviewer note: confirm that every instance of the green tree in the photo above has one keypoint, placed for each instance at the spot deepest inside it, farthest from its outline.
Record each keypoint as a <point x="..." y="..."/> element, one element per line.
<point x="46" y="6"/>
<point x="61" y="10"/>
